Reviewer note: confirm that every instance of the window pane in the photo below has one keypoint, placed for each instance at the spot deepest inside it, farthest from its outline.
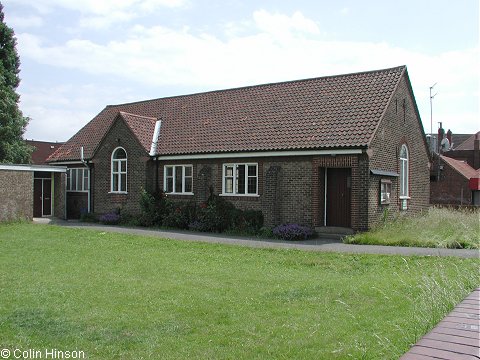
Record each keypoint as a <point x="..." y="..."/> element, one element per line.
<point x="120" y="154"/>
<point x="123" y="166"/>
<point x="178" y="179"/>
<point x="74" y="179"/>
<point x="188" y="184"/>
<point x="115" y="182"/>
<point x="69" y="179"/>
<point x="169" y="170"/>
<point x="229" y="185"/>
<point x="252" y="185"/>
<point x="115" y="166"/>
<point x="188" y="171"/>
<point x="252" y="170"/>
<point x="123" y="182"/>
<point x="169" y="185"/>
<point x="228" y="170"/>
<point x="240" y="179"/>
<point x="85" y="179"/>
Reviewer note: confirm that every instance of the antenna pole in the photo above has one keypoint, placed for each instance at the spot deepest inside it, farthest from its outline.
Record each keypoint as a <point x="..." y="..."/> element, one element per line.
<point x="431" y="108"/>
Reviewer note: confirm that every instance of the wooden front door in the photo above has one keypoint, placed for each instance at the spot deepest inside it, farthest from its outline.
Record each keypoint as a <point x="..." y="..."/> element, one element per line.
<point x="338" y="197"/>
<point x="42" y="197"/>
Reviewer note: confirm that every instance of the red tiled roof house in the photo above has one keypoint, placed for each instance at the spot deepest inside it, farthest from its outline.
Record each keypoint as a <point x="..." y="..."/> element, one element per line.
<point x="329" y="151"/>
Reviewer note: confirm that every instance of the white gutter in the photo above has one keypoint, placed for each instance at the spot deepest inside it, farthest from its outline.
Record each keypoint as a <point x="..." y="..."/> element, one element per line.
<point x="261" y="154"/>
<point x="156" y="134"/>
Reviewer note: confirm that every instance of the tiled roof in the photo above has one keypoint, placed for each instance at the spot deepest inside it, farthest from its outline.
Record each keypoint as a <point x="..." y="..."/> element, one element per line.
<point x="461" y="167"/>
<point x="468" y="144"/>
<point x="142" y="127"/>
<point x="42" y="150"/>
<point x="328" y="112"/>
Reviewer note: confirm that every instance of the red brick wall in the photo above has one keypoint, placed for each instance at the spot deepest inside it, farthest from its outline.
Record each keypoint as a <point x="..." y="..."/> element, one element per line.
<point x="450" y="188"/>
<point x="138" y="173"/>
<point x="400" y="125"/>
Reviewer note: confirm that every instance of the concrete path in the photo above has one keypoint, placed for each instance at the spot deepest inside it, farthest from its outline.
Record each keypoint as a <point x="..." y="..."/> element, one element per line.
<point x="308" y="245"/>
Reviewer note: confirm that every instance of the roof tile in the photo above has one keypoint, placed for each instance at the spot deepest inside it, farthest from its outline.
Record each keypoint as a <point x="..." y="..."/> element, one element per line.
<point x="326" y="112"/>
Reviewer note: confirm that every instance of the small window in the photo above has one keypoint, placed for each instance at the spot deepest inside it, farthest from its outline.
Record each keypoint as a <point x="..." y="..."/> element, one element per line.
<point x="385" y="191"/>
<point x="240" y="179"/>
<point x="119" y="171"/>
<point x="77" y="179"/>
<point x="178" y="179"/>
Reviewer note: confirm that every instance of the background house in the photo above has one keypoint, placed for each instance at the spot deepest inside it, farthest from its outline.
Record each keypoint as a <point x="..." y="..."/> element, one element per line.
<point x="337" y="151"/>
<point x="455" y="173"/>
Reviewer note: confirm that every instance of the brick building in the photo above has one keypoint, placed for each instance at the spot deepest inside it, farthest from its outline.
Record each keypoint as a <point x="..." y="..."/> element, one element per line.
<point x="455" y="174"/>
<point x="331" y="151"/>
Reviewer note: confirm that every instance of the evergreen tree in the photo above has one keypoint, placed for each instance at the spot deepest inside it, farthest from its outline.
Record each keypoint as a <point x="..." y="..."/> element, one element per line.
<point x="13" y="148"/>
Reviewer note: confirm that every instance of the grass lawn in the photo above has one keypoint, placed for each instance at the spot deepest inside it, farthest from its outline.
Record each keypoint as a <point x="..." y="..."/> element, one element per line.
<point x="439" y="227"/>
<point x="129" y="297"/>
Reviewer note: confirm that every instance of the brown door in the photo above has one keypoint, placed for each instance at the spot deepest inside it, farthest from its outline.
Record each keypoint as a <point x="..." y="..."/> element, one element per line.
<point x="37" y="197"/>
<point x="338" y="197"/>
<point x="47" y="197"/>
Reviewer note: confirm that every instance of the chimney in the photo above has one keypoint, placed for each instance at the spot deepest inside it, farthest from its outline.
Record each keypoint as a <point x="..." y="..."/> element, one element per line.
<point x="441" y="133"/>
<point x="476" y="151"/>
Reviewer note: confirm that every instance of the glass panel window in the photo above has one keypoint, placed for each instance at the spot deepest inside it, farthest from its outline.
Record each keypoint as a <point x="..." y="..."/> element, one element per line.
<point x="240" y="179"/>
<point x="403" y="171"/>
<point x="119" y="170"/>
<point x="385" y="191"/>
<point x="74" y="180"/>
<point x="178" y="179"/>
<point x="77" y="179"/>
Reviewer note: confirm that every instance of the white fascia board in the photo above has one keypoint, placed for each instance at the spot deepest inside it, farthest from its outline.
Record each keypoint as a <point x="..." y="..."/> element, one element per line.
<point x="76" y="162"/>
<point x="261" y="154"/>
<point x="46" y="168"/>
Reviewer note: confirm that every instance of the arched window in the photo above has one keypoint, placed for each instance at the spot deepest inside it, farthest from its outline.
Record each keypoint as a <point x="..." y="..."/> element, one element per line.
<point x="404" y="171"/>
<point x="119" y="170"/>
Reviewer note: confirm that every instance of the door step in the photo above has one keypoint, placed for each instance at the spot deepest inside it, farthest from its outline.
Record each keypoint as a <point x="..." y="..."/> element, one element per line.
<point x="333" y="232"/>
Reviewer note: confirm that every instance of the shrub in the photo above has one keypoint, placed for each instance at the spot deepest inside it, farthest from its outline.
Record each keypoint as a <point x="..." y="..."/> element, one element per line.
<point x="181" y="216"/>
<point x="155" y="206"/>
<point x="292" y="232"/>
<point x="111" y="218"/>
<point x="88" y="217"/>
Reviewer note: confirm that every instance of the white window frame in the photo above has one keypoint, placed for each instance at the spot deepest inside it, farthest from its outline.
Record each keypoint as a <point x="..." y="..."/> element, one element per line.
<point x="404" y="173"/>
<point x="84" y="177"/>
<point x="119" y="172"/>
<point x="234" y="179"/>
<point x="385" y="191"/>
<point x="173" y="177"/>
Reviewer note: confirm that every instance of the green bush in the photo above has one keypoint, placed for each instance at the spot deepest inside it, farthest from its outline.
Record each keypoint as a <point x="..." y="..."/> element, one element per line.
<point x="155" y="206"/>
<point x="181" y="215"/>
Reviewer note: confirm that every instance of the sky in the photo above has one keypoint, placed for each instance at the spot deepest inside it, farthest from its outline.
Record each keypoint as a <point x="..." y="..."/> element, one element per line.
<point x="79" y="56"/>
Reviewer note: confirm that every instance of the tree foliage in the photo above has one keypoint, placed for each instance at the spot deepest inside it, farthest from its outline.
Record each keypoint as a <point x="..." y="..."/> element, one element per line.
<point x="13" y="148"/>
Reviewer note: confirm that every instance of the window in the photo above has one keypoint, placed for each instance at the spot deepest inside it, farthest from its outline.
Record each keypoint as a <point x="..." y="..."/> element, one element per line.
<point x="119" y="171"/>
<point x="178" y="179"/>
<point x="77" y="179"/>
<point x="404" y="171"/>
<point x="240" y="179"/>
<point x="385" y="191"/>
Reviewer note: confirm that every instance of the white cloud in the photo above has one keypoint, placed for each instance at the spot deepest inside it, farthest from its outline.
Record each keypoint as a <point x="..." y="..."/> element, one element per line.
<point x="66" y="108"/>
<point x="24" y="21"/>
<point x="277" y="48"/>
<point x="284" y="25"/>
<point x="101" y="7"/>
